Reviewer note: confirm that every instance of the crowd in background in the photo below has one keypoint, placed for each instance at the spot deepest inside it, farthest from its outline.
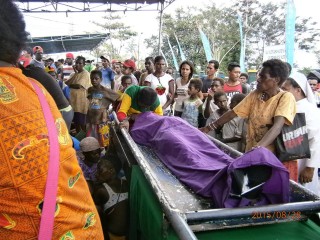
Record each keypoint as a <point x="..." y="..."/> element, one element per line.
<point x="239" y="114"/>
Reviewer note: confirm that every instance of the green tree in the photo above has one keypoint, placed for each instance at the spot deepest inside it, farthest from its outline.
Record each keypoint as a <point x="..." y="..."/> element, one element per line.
<point x="120" y="34"/>
<point x="264" y="24"/>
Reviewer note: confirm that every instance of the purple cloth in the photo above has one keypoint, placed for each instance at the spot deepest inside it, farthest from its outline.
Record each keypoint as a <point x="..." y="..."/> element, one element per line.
<point x="274" y="191"/>
<point x="200" y="164"/>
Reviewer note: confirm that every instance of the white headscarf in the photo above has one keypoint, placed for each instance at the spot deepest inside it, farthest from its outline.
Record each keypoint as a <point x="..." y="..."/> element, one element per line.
<point x="304" y="85"/>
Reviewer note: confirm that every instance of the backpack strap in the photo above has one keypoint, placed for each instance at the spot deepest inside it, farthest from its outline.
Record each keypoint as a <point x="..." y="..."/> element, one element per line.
<point x="49" y="202"/>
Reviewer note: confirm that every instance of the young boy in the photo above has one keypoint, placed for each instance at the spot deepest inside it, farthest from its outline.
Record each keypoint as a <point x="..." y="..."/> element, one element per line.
<point x="126" y="81"/>
<point x="209" y="106"/>
<point x="100" y="99"/>
<point x="193" y="104"/>
<point x="231" y="132"/>
<point x="88" y="159"/>
<point x="220" y="99"/>
<point x="111" y="196"/>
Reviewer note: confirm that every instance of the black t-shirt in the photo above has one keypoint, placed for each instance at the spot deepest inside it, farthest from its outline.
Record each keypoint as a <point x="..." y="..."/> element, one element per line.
<point x="206" y="84"/>
<point x="49" y="83"/>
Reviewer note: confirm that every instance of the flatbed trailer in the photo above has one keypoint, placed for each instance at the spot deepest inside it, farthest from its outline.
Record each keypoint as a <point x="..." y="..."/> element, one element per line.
<point x="189" y="215"/>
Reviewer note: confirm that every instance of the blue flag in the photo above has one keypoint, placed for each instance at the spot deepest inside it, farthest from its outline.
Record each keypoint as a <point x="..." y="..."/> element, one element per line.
<point x="241" y="61"/>
<point x="173" y="56"/>
<point x="206" y="45"/>
<point x="290" y="31"/>
<point x="165" y="59"/>
<point x="183" y="57"/>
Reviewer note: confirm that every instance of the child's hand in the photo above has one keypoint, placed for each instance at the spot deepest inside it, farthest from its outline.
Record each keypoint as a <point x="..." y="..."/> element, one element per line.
<point x="133" y="116"/>
<point x="204" y="129"/>
<point x="124" y="124"/>
<point x="210" y="92"/>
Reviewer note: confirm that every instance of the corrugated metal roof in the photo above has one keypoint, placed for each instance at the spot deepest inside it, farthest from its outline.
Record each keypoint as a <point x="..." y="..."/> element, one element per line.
<point x="36" y="6"/>
<point x="73" y="43"/>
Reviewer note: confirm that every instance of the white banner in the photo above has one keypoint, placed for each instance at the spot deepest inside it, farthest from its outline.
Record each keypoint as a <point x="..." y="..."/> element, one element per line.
<point x="276" y="51"/>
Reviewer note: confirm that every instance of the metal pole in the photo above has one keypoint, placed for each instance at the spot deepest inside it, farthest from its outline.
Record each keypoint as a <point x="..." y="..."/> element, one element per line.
<point x="177" y="222"/>
<point x="245" y="37"/>
<point x="289" y="209"/>
<point x="160" y="28"/>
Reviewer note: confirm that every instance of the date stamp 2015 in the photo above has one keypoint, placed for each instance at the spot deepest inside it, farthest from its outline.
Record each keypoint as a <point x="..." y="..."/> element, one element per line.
<point x="274" y="215"/>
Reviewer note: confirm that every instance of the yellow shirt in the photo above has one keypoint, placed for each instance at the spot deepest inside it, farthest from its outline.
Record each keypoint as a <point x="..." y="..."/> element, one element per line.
<point x="261" y="113"/>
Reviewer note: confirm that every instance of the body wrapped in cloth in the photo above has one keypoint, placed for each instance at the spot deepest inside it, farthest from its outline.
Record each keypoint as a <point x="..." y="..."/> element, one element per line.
<point x="198" y="163"/>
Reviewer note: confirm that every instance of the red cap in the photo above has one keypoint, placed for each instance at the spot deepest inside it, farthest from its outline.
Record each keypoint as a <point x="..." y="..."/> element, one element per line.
<point x="129" y="63"/>
<point x="37" y="49"/>
<point x="115" y="61"/>
<point x="69" y="55"/>
<point x="23" y="60"/>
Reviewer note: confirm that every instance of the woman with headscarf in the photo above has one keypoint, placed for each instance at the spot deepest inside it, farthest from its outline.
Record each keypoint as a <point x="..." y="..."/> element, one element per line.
<point x="24" y="152"/>
<point x="298" y="85"/>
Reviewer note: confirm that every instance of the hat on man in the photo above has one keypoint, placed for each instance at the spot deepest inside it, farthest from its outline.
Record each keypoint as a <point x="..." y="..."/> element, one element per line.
<point x="115" y="61"/>
<point x="105" y="58"/>
<point x="69" y="55"/>
<point x="89" y="144"/>
<point x="129" y="64"/>
<point x="37" y="49"/>
<point x="315" y="75"/>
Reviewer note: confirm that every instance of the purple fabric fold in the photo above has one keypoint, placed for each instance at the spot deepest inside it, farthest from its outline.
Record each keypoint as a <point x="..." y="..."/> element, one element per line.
<point x="198" y="163"/>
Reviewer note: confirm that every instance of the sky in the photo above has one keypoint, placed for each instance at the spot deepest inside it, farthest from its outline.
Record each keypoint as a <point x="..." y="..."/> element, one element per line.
<point x="146" y="23"/>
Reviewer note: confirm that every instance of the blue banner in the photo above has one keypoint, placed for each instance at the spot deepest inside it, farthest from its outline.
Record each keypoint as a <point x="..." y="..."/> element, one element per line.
<point x="206" y="45"/>
<point x="173" y="56"/>
<point x="290" y="31"/>
<point x="241" y="61"/>
<point x="183" y="57"/>
<point x="165" y="59"/>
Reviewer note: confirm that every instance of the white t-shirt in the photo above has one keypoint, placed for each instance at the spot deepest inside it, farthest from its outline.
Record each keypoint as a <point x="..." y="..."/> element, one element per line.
<point x="182" y="92"/>
<point x="160" y="82"/>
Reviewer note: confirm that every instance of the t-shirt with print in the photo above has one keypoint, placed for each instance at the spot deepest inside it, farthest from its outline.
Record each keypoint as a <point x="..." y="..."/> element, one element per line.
<point x="182" y="94"/>
<point x="191" y="109"/>
<point x="232" y="90"/>
<point x="99" y="100"/>
<point x="161" y="82"/>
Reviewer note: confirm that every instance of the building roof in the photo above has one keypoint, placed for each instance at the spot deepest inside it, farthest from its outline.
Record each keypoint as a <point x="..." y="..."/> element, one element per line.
<point x="74" y="43"/>
<point x="91" y="5"/>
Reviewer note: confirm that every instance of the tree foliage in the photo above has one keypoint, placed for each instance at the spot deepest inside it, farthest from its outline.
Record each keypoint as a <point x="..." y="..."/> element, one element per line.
<point x="263" y="25"/>
<point x="120" y="35"/>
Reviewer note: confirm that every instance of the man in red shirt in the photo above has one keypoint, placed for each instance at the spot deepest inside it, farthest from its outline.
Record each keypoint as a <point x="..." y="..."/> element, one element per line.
<point x="233" y="85"/>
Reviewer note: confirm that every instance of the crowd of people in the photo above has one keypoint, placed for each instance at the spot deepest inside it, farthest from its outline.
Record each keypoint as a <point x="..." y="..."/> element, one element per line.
<point x="81" y="97"/>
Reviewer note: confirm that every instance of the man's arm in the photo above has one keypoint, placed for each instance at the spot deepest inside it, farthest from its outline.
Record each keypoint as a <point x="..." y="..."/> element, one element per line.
<point x="170" y="98"/>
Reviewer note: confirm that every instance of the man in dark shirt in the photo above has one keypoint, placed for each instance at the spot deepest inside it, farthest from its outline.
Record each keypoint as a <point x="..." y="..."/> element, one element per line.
<point x="212" y="68"/>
